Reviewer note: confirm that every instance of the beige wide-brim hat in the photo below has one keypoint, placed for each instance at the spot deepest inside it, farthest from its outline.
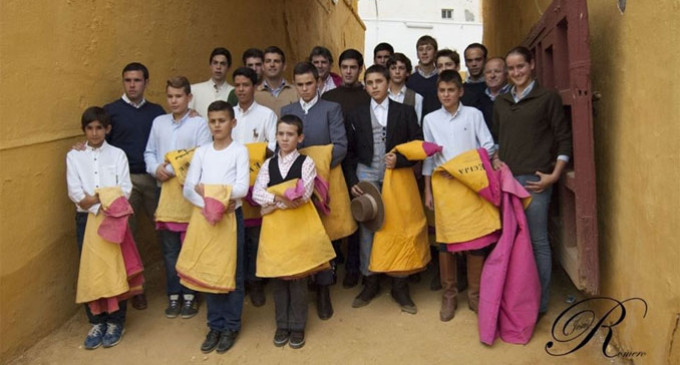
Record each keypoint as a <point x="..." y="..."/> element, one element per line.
<point x="368" y="209"/>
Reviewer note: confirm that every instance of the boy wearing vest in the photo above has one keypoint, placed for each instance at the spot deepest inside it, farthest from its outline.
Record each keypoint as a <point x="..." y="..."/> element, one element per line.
<point x="171" y="132"/>
<point x="457" y="128"/>
<point x="215" y="168"/>
<point x="99" y="165"/>
<point x="290" y="293"/>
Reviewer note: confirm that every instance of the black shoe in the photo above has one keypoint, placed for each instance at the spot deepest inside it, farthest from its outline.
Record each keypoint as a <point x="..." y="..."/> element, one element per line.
<point x="297" y="339"/>
<point x="324" y="308"/>
<point x="281" y="337"/>
<point x="226" y="341"/>
<point x="401" y="295"/>
<point x="211" y="341"/>
<point x="257" y="297"/>
<point x="370" y="290"/>
<point x="173" y="309"/>
<point x="351" y="279"/>
<point x="189" y="308"/>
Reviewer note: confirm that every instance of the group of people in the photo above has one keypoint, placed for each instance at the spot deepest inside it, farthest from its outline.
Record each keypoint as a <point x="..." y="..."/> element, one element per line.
<point x="264" y="180"/>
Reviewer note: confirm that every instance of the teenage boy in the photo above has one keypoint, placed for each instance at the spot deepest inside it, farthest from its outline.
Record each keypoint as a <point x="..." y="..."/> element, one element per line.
<point x="131" y="119"/>
<point x="99" y="165"/>
<point x="381" y="53"/>
<point x="253" y="58"/>
<point x="217" y="88"/>
<point x="496" y="80"/>
<point x="377" y="128"/>
<point x="457" y="128"/>
<point x="322" y="59"/>
<point x="475" y="58"/>
<point x="323" y="124"/>
<point x="400" y="69"/>
<point x="224" y="162"/>
<point x="255" y="123"/>
<point x="170" y="132"/>
<point x="424" y="80"/>
<point x="446" y="59"/>
<point x="275" y="92"/>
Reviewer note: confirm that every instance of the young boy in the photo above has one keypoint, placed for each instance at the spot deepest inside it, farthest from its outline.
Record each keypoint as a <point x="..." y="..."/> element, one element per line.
<point x="99" y="165"/>
<point x="457" y="128"/>
<point x="170" y="132"/>
<point x="222" y="162"/>
<point x="424" y="80"/>
<point x="446" y="59"/>
<point x="290" y="294"/>
<point x="400" y="69"/>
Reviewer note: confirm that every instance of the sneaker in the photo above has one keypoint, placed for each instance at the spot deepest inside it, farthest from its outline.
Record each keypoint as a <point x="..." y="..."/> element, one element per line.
<point x="114" y="332"/>
<point x="211" y="341"/>
<point x="173" y="309"/>
<point x="297" y="339"/>
<point x="189" y="308"/>
<point x="226" y="341"/>
<point x="95" y="336"/>
<point x="281" y="337"/>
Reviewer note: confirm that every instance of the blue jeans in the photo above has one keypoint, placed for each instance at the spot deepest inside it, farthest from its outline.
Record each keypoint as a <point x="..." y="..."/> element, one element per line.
<point x="224" y="310"/>
<point x="117" y="317"/>
<point x="171" y="244"/>
<point x="537" y="219"/>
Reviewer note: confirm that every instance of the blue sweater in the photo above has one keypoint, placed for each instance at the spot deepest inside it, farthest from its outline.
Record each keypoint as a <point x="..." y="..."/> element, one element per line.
<point x="130" y="129"/>
<point x="427" y="88"/>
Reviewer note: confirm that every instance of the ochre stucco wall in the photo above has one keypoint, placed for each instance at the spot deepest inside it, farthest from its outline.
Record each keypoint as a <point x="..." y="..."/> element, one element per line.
<point x="58" y="57"/>
<point x="634" y="60"/>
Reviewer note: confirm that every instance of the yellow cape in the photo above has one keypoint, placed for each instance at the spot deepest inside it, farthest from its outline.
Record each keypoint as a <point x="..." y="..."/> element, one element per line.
<point x="172" y="207"/>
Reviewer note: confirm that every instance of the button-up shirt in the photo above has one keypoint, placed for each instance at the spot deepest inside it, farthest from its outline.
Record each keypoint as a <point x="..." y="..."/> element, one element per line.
<point x="255" y="124"/>
<point x="205" y="93"/>
<point x="503" y="90"/>
<point x="399" y="97"/>
<point x="127" y="100"/>
<point x="380" y="111"/>
<point x="95" y="168"/>
<point x="276" y="91"/>
<point x="260" y="193"/>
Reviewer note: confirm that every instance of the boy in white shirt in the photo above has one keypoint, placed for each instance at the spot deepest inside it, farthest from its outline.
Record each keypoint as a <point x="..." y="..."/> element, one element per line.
<point x="222" y="162"/>
<point x="99" y="165"/>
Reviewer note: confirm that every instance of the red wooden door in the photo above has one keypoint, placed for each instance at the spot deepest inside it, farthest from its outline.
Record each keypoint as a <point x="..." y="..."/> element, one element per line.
<point x="559" y="42"/>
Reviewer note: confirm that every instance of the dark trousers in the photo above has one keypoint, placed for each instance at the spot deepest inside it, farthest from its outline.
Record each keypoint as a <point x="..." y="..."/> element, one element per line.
<point x="171" y="244"/>
<point x="117" y="317"/>
<point x="224" y="310"/>
<point x="290" y="302"/>
<point x="352" y="263"/>
<point x="252" y="243"/>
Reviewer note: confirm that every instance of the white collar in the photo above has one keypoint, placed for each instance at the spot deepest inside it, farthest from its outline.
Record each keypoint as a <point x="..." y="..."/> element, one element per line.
<point x="306" y="106"/>
<point x="127" y="100"/>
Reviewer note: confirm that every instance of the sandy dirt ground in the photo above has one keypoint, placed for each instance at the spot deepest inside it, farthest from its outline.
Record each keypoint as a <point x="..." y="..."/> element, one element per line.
<point x="376" y="334"/>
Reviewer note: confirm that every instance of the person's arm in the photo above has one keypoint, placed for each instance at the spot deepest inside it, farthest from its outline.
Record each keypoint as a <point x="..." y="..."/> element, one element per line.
<point x="429" y="201"/>
<point x="428" y="164"/>
<point x="482" y="133"/>
<point x="270" y="130"/>
<point x="351" y="160"/>
<point x="123" y="175"/>
<point x="419" y="108"/>
<point x="338" y="134"/>
<point x="75" y="188"/>
<point x="561" y="128"/>
<point x="260" y="193"/>
<point x="308" y="175"/>
<point x="242" y="182"/>
<point x="193" y="179"/>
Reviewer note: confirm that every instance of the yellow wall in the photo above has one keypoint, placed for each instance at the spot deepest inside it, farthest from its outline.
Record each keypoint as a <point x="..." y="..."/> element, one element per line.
<point x="58" y="57"/>
<point x="637" y="126"/>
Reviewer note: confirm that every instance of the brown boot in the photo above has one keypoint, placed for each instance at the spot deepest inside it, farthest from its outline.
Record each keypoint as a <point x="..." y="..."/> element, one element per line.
<point x="447" y="267"/>
<point x="474" y="275"/>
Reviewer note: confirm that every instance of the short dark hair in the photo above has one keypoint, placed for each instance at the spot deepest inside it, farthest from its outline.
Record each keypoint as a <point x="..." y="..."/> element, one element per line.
<point x="399" y="57"/>
<point x="291" y="119"/>
<point x="136" y="66"/>
<point x="522" y="51"/>
<point x="252" y="53"/>
<point x="448" y="53"/>
<point x="383" y="47"/>
<point x="476" y="45"/>
<point x="321" y="51"/>
<point x="302" y="68"/>
<point x="95" y="113"/>
<point x="247" y="72"/>
<point x="221" y="51"/>
<point x="179" y="82"/>
<point x="426" y="39"/>
<point x="352" y="54"/>
<point x="377" y="69"/>
<point x="274" y="49"/>
<point x="221" y="106"/>
<point x="450" y="76"/>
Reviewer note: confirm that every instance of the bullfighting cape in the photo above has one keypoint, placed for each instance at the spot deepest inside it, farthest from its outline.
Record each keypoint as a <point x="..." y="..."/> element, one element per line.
<point x="110" y="267"/>
<point x="293" y="242"/>
<point x="401" y="245"/>
<point x="257" y="153"/>
<point x="207" y="261"/>
<point x="172" y="207"/>
<point x="462" y="213"/>
<point x="337" y="218"/>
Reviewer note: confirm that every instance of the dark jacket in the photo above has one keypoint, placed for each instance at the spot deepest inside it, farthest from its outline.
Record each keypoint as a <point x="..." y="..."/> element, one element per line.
<point x="402" y="127"/>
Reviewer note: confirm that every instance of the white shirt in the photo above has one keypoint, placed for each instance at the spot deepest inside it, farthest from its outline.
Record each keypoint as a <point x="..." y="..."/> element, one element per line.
<point x="327" y="85"/>
<point x="399" y="98"/>
<point x="95" y="168"/>
<point x="456" y="133"/>
<point x="255" y="124"/>
<point x="167" y="135"/>
<point x="306" y="106"/>
<point x="229" y="166"/>
<point x="205" y="93"/>
<point x="380" y="110"/>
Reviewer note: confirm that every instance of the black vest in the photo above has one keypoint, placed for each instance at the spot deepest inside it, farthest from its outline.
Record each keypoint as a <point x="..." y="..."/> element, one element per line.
<point x="295" y="171"/>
